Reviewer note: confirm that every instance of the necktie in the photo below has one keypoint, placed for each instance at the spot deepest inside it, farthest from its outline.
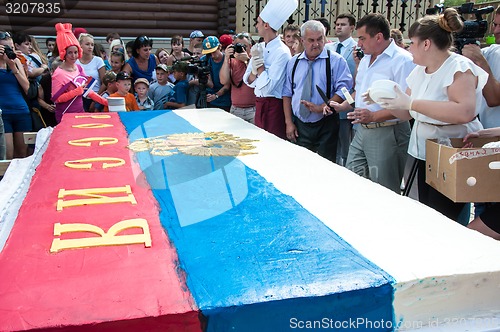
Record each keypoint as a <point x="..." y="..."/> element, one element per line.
<point x="339" y="47"/>
<point x="306" y="91"/>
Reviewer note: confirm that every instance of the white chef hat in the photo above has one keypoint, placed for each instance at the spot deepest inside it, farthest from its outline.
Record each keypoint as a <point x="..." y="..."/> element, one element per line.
<point x="276" y="12"/>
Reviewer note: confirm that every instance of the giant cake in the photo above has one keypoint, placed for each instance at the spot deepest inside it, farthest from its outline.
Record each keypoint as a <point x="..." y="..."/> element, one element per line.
<point x="194" y="220"/>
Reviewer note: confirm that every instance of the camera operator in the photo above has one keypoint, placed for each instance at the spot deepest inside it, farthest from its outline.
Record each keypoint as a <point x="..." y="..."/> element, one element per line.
<point x="218" y="94"/>
<point x="489" y="59"/>
<point x="235" y="65"/>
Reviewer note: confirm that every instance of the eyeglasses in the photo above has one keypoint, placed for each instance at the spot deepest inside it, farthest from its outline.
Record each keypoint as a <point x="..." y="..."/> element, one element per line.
<point x="4" y="35"/>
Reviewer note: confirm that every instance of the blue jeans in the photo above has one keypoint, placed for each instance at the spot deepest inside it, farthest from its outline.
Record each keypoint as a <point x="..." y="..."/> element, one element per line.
<point x="2" y="140"/>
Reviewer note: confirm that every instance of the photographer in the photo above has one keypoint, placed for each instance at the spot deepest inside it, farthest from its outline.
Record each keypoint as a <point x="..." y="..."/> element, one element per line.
<point x="489" y="59"/>
<point x="235" y="64"/>
<point x="218" y="94"/>
<point x="15" y="112"/>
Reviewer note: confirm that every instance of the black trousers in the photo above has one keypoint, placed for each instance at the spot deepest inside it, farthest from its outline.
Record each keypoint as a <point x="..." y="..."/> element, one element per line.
<point x="433" y="198"/>
<point x="321" y="136"/>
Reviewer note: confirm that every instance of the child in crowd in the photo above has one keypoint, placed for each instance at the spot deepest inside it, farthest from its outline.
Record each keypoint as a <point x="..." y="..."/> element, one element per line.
<point x="109" y="81"/>
<point x="162" y="90"/>
<point x="141" y="87"/>
<point x="123" y="84"/>
<point x="176" y="54"/>
<point x="117" y="61"/>
<point x="181" y="87"/>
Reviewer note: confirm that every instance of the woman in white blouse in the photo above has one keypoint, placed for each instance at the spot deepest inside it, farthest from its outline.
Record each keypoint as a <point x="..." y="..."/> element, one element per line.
<point x="444" y="91"/>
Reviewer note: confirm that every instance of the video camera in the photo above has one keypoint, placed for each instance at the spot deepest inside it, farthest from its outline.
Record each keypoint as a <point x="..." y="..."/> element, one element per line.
<point x="201" y="69"/>
<point x="473" y="29"/>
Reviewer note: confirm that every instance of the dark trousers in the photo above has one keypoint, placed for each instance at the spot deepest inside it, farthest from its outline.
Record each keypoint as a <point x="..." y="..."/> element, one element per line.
<point x="321" y="136"/>
<point x="434" y="199"/>
<point x="269" y="115"/>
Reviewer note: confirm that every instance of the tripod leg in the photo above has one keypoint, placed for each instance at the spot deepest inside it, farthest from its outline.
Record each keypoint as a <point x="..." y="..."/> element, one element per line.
<point x="411" y="177"/>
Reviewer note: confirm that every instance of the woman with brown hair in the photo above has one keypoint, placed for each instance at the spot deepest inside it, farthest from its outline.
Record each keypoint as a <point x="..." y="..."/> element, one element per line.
<point x="444" y="91"/>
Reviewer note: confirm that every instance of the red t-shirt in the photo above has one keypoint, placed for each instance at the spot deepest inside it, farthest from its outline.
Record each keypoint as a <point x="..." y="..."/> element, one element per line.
<point x="244" y="95"/>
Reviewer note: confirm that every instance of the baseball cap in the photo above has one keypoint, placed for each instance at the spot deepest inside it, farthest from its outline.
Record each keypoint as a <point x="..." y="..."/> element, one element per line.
<point x="141" y="80"/>
<point x="210" y="44"/>
<point x="163" y="67"/>
<point x="123" y="75"/>
<point x="196" y="34"/>
<point x="226" y="40"/>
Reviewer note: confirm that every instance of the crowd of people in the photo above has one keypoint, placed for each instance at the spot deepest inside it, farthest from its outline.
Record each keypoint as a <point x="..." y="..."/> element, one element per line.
<point x="291" y="85"/>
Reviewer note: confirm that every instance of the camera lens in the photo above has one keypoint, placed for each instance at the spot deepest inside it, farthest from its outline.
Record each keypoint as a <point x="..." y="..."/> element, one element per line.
<point x="239" y="48"/>
<point x="359" y="53"/>
<point x="9" y="52"/>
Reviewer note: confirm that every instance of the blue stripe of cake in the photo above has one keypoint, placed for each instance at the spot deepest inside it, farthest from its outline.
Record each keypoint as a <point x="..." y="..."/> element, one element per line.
<point x="254" y="258"/>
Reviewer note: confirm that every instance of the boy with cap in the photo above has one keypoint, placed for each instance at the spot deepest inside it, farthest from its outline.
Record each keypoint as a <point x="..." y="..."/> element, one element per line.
<point x="141" y="87"/>
<point x="181" y="87"/>
<point x="109" y="81"/>
<point x="123" y="84"/>
<point x="162" y="90"/>
<point x="266" y="70"/>
<point x="196" y="37"/>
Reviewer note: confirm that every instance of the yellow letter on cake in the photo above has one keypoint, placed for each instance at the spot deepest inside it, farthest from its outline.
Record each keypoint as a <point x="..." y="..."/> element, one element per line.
<point x="109" y="238"/>
<point x="95" y="196"/>
<point x="88" y="162"/>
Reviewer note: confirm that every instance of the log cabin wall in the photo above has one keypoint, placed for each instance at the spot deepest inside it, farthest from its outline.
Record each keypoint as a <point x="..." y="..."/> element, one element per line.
<point x="154" y="18"/>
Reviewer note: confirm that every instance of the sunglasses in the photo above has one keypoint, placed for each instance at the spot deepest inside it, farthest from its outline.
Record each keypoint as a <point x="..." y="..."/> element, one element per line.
<point x="243" y="35"/>
<point x="143" y="39"/>
<point x="4" y="35"/>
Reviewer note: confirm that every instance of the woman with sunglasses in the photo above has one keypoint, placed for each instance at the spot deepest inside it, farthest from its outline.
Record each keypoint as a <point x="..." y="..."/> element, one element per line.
<point x="69" y="81"/>
<point x="15" y="112"/>
<point x="142" y="64"/>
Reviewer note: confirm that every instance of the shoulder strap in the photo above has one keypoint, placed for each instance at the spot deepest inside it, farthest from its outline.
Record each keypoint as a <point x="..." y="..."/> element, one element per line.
<point x="293" y="70"/>
<point x="328" y="75"/>
<point x="35" y="60"/>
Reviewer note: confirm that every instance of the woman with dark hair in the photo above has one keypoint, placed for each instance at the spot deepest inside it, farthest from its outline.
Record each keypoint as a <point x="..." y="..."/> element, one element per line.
<point x="444" y="91"/>
<point x="15" y="112"/>
<point x="142" y="64"/>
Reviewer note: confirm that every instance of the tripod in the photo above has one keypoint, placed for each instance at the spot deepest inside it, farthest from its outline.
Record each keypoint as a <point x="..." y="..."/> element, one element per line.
<point x="411" y="178"/>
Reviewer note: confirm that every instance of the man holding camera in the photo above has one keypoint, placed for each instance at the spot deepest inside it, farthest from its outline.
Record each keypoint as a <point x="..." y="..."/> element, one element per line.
<point x="489" y="59"/>
<point x="306" y="123"/>
<point x="235" y="64"/>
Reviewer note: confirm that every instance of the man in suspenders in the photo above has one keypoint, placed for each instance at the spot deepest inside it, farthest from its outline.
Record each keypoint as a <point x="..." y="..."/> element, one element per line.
<point x="306" y="123"/>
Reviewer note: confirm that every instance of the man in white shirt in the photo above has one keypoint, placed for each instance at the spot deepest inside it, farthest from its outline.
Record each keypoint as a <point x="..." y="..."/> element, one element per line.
<point x="266" y="69"/>
<point x="379" y="148"/>
<point x="344" y="27"/>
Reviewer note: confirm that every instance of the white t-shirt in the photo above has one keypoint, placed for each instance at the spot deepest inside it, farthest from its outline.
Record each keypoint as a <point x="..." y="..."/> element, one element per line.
<point x="490" y="116"/>
<point x="435" y="87"/>
<point x="394" y="64"/>
<point x="92" y="69"/>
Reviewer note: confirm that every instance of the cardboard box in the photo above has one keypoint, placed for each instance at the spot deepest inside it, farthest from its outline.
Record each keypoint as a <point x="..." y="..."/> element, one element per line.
<point x="464" y="175"/>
